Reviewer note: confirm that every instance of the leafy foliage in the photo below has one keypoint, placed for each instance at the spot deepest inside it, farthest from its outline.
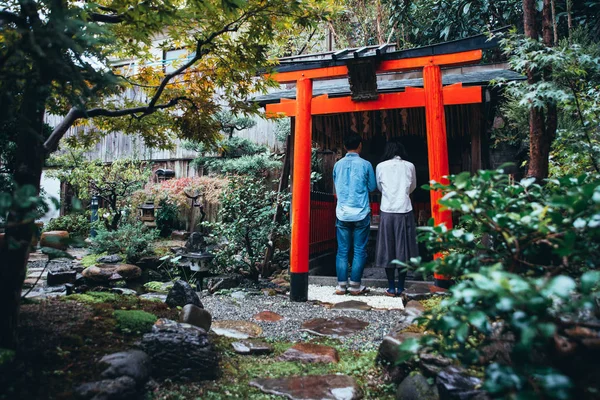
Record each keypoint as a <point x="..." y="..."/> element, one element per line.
<point x="166" y="217"/>
<point x="132" y="239"/>
<point x="571" y="82"/>
<point x="247" y="214"/>
<point x="526" y="257"/>
<point x="76" y="224"/>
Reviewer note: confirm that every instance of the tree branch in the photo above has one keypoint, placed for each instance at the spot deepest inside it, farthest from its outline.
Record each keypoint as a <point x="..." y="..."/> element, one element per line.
<point x="12" y="17"/>
<point x="107" y="18"/>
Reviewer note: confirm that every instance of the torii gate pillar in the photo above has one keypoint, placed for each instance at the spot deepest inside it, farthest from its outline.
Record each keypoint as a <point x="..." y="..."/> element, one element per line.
<point x="299" y="251"/>
<point x="437" y="148"/>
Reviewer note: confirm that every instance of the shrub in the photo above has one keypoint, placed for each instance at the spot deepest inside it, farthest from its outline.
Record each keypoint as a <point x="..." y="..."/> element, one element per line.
<point x="134" y="321"/>
<point x="247" y="220"/>
<point x="134" y="240"/>
<point x="76" y="224"/>
<point x="526" y="258"/>
<point x="166" y="217"/>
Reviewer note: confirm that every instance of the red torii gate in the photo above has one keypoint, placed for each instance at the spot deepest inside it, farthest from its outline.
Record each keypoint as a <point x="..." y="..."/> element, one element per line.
<point x="433" y="96"/>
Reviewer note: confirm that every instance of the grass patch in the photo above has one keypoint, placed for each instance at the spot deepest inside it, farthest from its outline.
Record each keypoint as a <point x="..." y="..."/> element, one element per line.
<point x="134" y="321"/>
<point x="239" y="370"/>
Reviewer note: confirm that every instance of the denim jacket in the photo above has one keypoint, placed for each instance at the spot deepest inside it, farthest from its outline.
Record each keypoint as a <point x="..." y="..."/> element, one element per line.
<point x="354" y="179"/>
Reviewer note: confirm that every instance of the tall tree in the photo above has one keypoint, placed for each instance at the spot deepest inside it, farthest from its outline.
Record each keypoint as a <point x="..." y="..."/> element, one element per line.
<point x="56" y="58"/>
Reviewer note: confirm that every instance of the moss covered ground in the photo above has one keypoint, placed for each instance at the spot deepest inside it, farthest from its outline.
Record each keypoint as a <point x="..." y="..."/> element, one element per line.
<point x="61" y="341"/>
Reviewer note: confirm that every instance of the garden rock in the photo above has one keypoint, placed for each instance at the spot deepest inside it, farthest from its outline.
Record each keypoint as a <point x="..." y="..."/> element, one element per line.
<point x="433" y="364"/>
<point x="124" y="291"/>
<point x="180" y="351"/>
<point x="389" y="353"/>
<point x="236" y="329"/>
<point x="352" y="305"/>
<point x="336" y="327"/>
<point x="105" y="273"/>
<point x="122" y="388"/>
<point x="267" y="316"/>
<point x="180" y="235"/>
<point x="134" y="363"/>
<point x="256" y="347"/>
<point x="194" y="315"/>
<point x="416" y="387"/>
<point x="310" y="353"/>
<point x="55" y="239"/>
<point x="222" y="282"/>
<point x="182" y="294"/>
<point x="195" y="243"/>
<point x="154" y="297"/>
<point x="454" y="384"/>
<point x="60" y="273"/>
<point x="317" y="387"/>
<point x="112" y="259"/>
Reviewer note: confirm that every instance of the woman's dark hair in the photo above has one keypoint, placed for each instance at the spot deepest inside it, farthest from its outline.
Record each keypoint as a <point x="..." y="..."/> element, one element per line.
<point x="393" y="148"/>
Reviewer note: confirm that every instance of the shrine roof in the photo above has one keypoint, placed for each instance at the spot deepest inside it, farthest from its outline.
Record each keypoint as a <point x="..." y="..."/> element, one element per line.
<point x="340" y="88"/>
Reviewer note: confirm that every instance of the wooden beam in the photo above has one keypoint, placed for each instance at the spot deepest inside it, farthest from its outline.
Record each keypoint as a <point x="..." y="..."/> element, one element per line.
<point x="299" y="250"/>
<point x="464" y="57"/>
<point x="412" y="97"/>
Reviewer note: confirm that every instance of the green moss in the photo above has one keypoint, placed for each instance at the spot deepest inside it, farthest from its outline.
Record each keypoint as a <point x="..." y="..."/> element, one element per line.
<point x="134" y="321"/>
<point x="93" y="297"/>
<point x="433" y="304"/>
<point x="90" y="259"/>
<point x="6" y="356"/>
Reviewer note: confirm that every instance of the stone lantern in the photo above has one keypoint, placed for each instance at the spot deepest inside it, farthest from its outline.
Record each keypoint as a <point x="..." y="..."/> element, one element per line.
<point x="147" y="213"/>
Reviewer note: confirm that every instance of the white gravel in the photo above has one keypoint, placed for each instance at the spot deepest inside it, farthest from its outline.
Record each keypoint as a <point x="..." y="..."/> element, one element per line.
<point x="381" y="322"/>
<point x="375" y="298"/>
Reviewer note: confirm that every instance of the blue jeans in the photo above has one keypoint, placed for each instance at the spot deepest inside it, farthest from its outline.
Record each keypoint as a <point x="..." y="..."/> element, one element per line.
<point x="356" y="233"/>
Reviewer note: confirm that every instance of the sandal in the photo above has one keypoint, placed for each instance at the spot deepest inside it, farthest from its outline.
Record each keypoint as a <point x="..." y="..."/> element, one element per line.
<point x="390" y="294"/>
<point x="362" y="290"/>
<point x="340" y="291"/>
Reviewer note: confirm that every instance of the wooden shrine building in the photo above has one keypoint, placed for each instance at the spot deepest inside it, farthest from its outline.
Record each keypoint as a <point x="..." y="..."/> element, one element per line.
<point x="434" y="97"/>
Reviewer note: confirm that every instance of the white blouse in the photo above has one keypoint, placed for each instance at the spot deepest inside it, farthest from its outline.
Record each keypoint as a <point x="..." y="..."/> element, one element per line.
<point x="396" y="179"/>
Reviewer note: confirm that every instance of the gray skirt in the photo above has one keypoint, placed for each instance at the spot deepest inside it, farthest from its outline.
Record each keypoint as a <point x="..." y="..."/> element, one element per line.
<point x="396" y="239"/>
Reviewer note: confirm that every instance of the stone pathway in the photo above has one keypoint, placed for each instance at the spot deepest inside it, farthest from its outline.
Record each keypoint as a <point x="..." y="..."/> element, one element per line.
<point x="325" y="387"/>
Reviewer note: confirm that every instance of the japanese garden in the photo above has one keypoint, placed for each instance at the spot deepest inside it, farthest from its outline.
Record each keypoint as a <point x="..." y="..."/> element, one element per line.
<point x="302" y="199"/>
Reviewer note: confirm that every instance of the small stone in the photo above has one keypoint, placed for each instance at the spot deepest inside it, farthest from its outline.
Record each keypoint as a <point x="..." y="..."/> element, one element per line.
<point x="182" y="294"/>
<point x="267" y="316"/>
<point x="236" y="329"/>
<point x="337" y="327"/>
<point x="134" y="364"/>
<point x="318" y="387"/>
<point x="124" y="291"/>
<point x="239" y="295"/>
<point x="154" y="297"/>
<point x="122" y="388"/>
<point x="310" y="353"/>
<point x="29" y="282"/>
<point x="194" y="315"/>
<point x="352" y="305"/>
<point x="112" y="259"/>
<point x="254" y="347"/>
<point x="180" y="235"/>
<point x="453" y="383"/>
<point x="415" y="306"/>
<point x="222" y="282"/>
<point x="55" y="239"/>
<point x="416" y="387"/>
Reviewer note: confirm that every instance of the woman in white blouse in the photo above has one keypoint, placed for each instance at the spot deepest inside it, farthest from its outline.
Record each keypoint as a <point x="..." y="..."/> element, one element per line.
<point x="397" y="238"/>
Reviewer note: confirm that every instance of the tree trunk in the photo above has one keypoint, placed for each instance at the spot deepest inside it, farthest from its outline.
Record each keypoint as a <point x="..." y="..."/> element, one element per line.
<point x="20" y="228"/>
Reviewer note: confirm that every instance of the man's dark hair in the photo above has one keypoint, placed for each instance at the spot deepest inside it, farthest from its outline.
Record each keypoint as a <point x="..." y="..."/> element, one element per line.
<point x="393" y="148"/>
<point x="352" y="141"/>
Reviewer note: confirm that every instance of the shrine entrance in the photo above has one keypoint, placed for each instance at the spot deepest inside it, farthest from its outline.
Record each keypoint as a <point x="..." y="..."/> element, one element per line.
<point x="366" y="70"/>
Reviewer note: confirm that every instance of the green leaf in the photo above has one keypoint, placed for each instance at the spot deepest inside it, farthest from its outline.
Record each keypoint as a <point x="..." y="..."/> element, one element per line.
<point x="590" y="281"/>
<point x="462" y="332"/>
<point x="479" y="320"/>
<point x="561" y="286"/>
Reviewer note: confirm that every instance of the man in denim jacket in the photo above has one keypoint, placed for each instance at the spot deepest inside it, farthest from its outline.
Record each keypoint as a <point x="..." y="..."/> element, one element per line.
<point x="354" y="179"/>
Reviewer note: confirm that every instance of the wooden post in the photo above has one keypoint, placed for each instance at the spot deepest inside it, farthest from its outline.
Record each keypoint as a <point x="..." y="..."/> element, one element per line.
<point x="437" y="148"/>
<point x="301" y="192"/>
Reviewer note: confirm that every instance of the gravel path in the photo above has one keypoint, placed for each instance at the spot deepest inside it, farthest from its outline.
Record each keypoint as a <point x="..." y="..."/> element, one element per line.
<point x="225" y="307"/>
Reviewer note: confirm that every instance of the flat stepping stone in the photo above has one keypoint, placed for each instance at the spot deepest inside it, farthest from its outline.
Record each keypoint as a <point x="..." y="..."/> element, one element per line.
<point x="311" y="387"/>
<point x="352" y="305"/>
<point x="267" y="316"/>
<point x="310" y="353"/>
<point x="252" y="347"/>
<point x="335" y="328"/>
<point x="236" y="329"/>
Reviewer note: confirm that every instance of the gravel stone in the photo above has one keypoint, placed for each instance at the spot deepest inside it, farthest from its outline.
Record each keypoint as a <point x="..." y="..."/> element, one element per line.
<point x="381" y="322"/>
